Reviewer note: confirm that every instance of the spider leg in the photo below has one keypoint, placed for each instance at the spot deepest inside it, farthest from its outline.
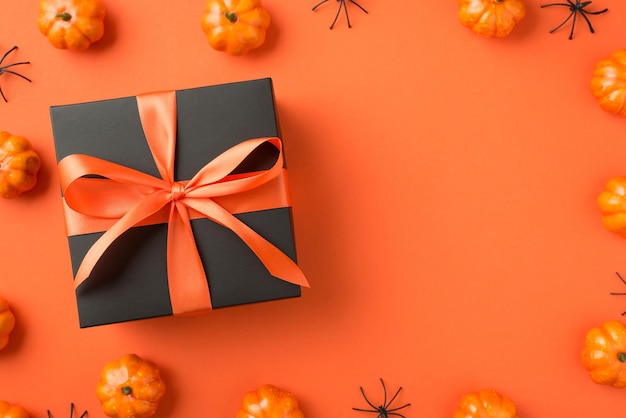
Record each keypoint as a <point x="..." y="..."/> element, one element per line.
<point x="398" y="408"/>
<point x="5" y="100"/>
<point x="582" y="12"/>
<point x="7" y="53"/>
<point x="83" y="415"/>
<point x="571" y="32"/>
<point x="17" y="74"/>
<point x="367" y="400"/>
<point x="619" y="293"/>
<point x="563" y="23"/>
<point x="555" y="4"/>
<point x="365" y="410"/>
<point x="314" y="7"/>
<point x="345" y="8"/>
<point x="385" y="393"/>
<point x="358" y="5"/>
<point x="396" y="414"/>
<point x="394" y="397"/>
<point x="14" y="64"/>
<point x="596" y="13"/>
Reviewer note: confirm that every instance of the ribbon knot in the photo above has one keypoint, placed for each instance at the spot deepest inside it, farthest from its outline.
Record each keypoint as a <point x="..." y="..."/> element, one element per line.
<point x="178" y="191"/>
<point x="128" y="198"/>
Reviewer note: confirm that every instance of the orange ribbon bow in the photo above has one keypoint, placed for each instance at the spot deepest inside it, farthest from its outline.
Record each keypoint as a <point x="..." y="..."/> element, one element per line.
<point x="123" y="198"/>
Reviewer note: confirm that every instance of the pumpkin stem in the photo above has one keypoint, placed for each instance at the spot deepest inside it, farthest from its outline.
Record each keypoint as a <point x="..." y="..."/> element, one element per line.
<point x="64" y="16"/>
<point x="231" y="16"/>
<point x="127" y="390"/>
<point x="621" y="356"/>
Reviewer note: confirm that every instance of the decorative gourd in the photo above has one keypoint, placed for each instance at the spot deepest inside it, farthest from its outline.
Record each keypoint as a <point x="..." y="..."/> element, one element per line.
<point x="491" y="18"/>
<point x="7" y="322"/>
<point x="604" y="354"/>
<point x="486" y="403"/>
<point x="130" y="388"/>
<point x="612" y="204"/>
<point x="8" y="410"/>
<point x="72" y="24"/>
<point x="269" y="402"/>
<point x="608" y="83"/>
<point x="19" y="165"/>
<point x="235" y="26"/>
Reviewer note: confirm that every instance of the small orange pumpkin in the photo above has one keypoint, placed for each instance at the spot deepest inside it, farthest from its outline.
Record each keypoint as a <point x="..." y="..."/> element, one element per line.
<point x="604" y="354"/>
<point x="130" y="387"/>
<point x="608" y="83"/>
<point x="612" y="204"/>
<point x="7" y="322"/>
<point x="269" y="402"/>
<point x="491" y="18"/>
<point x="486" y="403"/>
<point x="72" y="24"/>
<point x="235" y="26"/>
<point x="19" y="165"/>
<point x="8" y="410"/>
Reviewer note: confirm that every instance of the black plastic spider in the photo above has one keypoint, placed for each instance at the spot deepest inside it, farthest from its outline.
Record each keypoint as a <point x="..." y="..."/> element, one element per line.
<point x="620" y="293"/>
<point x="575" y="9"/>
<point x="71" y="412"/>
<point x="4" y="69"/>
<point x="383" y="410"/>
<point x="342" y="4"/>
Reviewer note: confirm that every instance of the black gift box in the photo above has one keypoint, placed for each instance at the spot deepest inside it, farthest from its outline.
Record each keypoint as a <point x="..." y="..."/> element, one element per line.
<point x="130" y="281"/>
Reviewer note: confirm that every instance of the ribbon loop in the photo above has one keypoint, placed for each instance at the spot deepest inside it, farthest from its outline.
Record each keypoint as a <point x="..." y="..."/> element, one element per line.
<point x="129" y="198"/>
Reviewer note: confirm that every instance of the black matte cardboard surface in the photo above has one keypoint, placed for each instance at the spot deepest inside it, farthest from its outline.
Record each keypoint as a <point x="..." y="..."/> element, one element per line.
<point x="130" y="280"/>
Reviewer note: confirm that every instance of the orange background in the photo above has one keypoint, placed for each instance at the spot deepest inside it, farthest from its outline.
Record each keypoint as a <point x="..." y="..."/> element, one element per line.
<point x="443" y="191"/>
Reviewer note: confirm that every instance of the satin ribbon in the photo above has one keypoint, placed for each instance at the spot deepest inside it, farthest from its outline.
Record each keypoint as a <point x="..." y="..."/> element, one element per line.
<point x="123" y="198"/>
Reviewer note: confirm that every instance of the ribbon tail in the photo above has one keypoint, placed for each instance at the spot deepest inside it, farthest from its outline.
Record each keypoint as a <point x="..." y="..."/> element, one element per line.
<point x="277" y="263"/>
<point x="188" y="286"/>
<point x="146" y="207"/>
<point x="157" y="112"/>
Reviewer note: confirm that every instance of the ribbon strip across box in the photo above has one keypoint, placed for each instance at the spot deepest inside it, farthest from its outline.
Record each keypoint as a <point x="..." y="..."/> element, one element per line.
<point x="176" y="202"/>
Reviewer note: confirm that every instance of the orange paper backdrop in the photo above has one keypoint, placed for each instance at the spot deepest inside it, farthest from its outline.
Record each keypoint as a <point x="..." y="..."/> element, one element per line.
<point x="443" y="191"/>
